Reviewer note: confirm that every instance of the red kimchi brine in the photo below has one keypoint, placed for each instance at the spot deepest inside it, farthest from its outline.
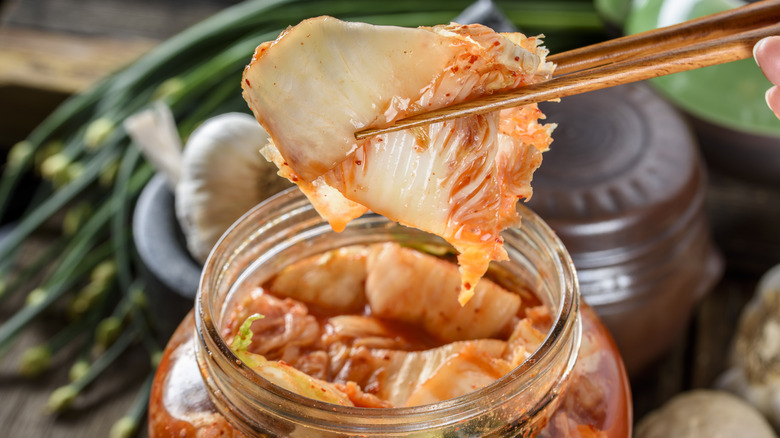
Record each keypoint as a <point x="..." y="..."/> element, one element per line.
<point x="314" y="337"/>
<point x="324" y="79"/>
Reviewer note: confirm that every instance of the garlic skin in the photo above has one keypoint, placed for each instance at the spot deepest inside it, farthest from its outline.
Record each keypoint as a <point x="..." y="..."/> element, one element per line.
<point x="755" y="361"/>
<point x="154" y="131"/>
<point x="223" y="175"/>
<point x="704" y="414"/>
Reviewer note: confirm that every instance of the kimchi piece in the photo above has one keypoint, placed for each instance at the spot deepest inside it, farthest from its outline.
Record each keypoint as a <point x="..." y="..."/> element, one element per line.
<point x="324" y="79"/>
<point x="378" y="344"/>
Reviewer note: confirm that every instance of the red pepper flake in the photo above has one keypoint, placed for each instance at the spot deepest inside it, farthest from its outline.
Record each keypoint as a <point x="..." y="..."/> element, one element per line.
<point x="358" y="162"/>
<point x="517" y="58"/>
<point x="496" y="43"/>
<point x="247" y="83"/>
<point x="473" y="59"/>
<point x="455" y="69"/>
<point x="294" y="178"/>
<point x="467" y="286"/>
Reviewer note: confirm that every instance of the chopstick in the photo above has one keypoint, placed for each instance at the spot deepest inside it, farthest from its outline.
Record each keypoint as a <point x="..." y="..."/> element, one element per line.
<point x="716" y="39"/>
<point x="707" y="28"/>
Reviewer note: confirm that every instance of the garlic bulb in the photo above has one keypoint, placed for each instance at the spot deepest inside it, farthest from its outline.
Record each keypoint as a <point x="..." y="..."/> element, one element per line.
<point x="704" y="414"/>
<point x="755" y="371"/>
<point x="223" y="175"/>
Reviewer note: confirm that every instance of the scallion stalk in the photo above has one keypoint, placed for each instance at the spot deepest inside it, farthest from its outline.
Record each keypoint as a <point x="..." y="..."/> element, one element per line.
<point x="63" y="397"/>
<point x="128" y="425"/>
<point x="54" y="204"/>
<point x="36" y="360"/>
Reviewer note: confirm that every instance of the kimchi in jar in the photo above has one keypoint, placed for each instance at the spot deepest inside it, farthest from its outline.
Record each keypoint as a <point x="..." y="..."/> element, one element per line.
<point x="300" y="331"/>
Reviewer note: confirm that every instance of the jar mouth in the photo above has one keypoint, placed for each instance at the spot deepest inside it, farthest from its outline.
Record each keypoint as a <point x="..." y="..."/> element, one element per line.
<point x="562" y="338"/>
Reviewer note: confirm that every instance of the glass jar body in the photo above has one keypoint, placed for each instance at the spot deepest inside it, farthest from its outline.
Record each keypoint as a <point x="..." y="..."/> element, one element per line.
<point x="552" y="392"/>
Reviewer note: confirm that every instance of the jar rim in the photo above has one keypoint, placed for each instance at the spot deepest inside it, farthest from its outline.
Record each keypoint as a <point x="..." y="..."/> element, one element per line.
<point x="290" y="201"/>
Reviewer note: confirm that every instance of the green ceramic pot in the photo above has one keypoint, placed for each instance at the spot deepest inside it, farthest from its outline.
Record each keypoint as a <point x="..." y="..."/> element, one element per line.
<point x="730" y="94"/>
<point x="614" y="12"/>
<point x="726" y="102"/>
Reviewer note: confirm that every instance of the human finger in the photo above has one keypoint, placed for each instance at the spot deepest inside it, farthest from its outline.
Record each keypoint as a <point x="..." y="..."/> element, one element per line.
<point x="767" y="55"/>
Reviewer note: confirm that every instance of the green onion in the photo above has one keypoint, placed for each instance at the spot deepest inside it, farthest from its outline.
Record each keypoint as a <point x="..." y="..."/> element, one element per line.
<point x="54" y="204"/>
<point x="36" y="360"/>
<point x="63" y="397"/>
<point x="128" y="425"/>
<point x="55" y="289"/>
<point x="119" y="225"/>
<point x="13" y="283"/>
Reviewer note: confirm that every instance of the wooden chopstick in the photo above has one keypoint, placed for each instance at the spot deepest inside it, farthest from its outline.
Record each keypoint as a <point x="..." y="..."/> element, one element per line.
<point x="664" y="59"/>
<point x="707" y="28"/>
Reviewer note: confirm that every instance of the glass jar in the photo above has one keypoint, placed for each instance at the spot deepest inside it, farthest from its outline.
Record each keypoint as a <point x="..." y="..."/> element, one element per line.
<point x="574" y="383"/>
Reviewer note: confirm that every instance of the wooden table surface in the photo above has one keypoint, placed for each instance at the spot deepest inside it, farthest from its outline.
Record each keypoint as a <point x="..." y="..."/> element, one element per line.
<point x="46" y="57"/>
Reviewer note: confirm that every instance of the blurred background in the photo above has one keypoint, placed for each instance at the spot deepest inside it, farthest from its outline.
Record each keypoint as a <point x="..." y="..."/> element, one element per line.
<point x="52" y="50"/>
